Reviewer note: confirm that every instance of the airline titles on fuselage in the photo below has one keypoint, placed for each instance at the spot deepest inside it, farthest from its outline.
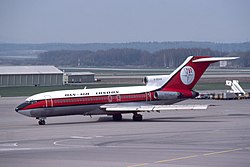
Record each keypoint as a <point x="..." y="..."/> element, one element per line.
<point x="76" y="94"/>
<point x="107" y="92"/>
<point x="87" y="93"/>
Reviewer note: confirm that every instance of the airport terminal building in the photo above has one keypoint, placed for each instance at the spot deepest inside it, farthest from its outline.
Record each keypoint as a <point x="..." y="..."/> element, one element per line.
<point x="30" y="76"/>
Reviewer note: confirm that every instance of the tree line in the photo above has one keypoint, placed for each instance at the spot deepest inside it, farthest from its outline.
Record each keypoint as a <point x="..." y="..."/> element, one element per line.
<point x="147" y="46"/>
<point x="122" y="57"/>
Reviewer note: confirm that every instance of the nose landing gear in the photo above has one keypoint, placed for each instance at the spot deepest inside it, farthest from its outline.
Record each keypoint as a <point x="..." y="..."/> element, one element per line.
<point x="41" y="121"/>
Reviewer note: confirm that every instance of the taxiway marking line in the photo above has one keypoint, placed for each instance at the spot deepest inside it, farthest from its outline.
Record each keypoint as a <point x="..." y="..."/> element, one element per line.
<point x="222" y="152"/>
<point x="138" y="165"/>
<point x="8" y="144"/>
<point x="81" y="137"/>
<point x="175" y="159"/>
<point x="99" y="136"/>
<point x="15" y="149"/>
<point x="191" y="156"/>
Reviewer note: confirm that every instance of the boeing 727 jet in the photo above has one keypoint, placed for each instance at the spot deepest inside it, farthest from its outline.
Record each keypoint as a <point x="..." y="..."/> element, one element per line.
<point x="159" y="93"/>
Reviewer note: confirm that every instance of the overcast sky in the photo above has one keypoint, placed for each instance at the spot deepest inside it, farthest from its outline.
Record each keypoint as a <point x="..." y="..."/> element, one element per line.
<point x="88" y="21"/>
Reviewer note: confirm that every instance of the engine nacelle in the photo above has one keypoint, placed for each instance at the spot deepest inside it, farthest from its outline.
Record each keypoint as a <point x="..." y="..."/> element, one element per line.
<point x="189" y="94"/>
<point x="162" y="95"/>
<point x="157" y="80"/>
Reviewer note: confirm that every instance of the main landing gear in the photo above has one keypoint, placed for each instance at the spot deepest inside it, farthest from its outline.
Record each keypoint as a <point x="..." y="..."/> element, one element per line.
<point x="41" y="121"/>
<point x="117" y="117"/>
<point x="136" y="117"/>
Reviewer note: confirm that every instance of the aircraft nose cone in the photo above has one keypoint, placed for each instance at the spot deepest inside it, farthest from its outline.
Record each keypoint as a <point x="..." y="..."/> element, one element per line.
<point x="16" y="109"/>
<point x="25" y="112"/>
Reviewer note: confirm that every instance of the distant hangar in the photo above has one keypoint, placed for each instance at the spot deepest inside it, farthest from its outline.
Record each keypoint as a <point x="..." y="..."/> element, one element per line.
<point x="41" y="76"/>
<point x="79" y="77"/>
<point x="30" y="76"/>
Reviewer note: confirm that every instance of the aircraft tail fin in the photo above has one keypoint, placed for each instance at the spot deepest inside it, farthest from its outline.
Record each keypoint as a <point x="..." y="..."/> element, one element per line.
<point x="187" y="75"/>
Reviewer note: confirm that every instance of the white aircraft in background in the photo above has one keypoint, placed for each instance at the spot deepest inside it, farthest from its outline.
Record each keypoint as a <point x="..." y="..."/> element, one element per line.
<point x="158" y="94"/>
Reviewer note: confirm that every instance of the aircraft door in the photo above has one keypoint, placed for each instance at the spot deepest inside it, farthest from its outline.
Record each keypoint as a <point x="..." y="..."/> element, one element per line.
<point x="110" y="98"/>
<point x="118" y="98"/>
<point x="48" y="101"/>
<point x="148" y="96"/>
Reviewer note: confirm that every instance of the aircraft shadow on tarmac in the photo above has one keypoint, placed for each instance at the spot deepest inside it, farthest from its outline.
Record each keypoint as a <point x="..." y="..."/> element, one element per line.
<point x="160" y="119"/>
<point x="177" y="119"/>
<point x="165" y="119"/>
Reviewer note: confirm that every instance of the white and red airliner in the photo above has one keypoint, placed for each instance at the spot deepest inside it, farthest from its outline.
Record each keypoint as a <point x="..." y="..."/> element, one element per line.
<point x="159" y="93"/>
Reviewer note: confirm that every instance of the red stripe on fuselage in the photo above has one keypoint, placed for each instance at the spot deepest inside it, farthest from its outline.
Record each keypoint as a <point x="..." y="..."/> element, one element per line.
<point x="72" y="101"/>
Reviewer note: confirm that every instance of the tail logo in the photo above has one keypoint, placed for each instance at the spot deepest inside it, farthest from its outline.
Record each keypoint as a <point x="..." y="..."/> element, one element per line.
<point x="187" y="75"/>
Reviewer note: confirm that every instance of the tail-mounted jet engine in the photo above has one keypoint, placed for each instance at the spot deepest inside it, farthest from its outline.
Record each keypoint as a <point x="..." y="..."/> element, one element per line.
<point x="163" y="95"/>
<point x="157" y="80"/>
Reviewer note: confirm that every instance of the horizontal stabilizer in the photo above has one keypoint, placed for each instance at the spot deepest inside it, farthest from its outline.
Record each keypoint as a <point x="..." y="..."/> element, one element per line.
<point x="214" y="59"/>
<point x="117" y="108"/>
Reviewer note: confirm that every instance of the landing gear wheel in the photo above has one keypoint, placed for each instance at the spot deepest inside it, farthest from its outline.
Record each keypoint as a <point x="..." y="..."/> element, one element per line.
<point x="117" y="117"/>
<point x="137" y="117"/>
<point x="41" y="122"/>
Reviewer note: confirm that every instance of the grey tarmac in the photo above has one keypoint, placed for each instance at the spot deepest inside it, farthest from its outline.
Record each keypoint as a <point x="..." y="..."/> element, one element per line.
<point x="219" y="136"/>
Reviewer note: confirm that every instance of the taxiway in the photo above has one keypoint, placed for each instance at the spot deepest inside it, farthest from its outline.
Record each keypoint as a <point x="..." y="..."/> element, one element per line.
<point x="219" y="136"/>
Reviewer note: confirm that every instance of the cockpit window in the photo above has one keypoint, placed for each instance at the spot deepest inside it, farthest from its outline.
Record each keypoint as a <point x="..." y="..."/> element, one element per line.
<point x="26" y="103"/>
<point x="32" y="102"/>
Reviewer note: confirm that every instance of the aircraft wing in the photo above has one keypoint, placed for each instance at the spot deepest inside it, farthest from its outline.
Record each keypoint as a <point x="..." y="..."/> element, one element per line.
<point x="149" y="108"/>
